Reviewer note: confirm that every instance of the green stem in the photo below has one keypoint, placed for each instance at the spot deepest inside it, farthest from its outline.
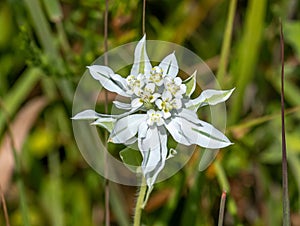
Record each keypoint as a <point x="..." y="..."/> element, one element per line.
<point x="221" y="176"/>
<point x="139" y="204"/>
<point x="226" y="42"/>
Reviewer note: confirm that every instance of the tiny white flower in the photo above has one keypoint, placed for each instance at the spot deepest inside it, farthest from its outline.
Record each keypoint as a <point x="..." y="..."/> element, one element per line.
<point x="156" y="76"/>
<point x="145" y="96"/>
<point x="167" y="104"/>
<point x="155" y="117"/>
<point x="135" y="83"/>
<point x="175" y="86"/>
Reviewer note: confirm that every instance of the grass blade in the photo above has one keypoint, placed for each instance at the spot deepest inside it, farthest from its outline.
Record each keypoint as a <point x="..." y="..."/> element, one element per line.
<point x="226" y="43"/>
<point x="247" y="57"/>
<point x="18" y="93"/>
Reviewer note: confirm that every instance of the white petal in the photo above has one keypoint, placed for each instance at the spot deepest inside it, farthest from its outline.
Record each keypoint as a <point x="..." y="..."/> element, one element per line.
<point x="87" y="114"/>
<point x="160" y="122"/>
<point x="169" y="66"/>
<point x="155" y="96"/>
<point x="166" y="114"/>
<point x="107" y="123"/>
<point x="177" y="81"/>
<point x="182" y="88"/>
<point x="137" y="91"/>
<point x="121" y="105"/>
<point x="150" y="122"/>
<point x="209" y="97"/>
<point x="158" y="103"/>
<point x="150" y="112"/>
<point x="141" y="60"/>
<point x="136" y="103"/>
<point x="104" y="75"/>
<point x="159" y="83"/>
<point x="167" y="80"/>
<point x="126" y="128"/>
<point x="166" y="96"/>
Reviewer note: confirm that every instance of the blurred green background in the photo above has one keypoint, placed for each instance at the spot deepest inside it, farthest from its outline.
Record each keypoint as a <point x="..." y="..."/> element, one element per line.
<point x="45" y="46"/>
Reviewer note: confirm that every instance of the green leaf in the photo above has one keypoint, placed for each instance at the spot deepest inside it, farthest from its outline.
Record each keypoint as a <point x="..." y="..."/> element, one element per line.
<point x="209" y="97"/>
<point x="132" y="159"/>
<point x="190" y="83"/>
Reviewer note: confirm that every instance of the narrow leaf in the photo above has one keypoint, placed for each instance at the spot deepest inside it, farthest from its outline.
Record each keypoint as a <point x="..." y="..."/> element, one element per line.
<point x="141" y="62"/>
<point x="121" y="105"/>
<point x="209" y="97"/>
<point x="87" y="114"/>
<point x="108" y="79"/>
<point x="107" y="123"/>
<point x="169" y="66"/>
<point x="190" y="83"/>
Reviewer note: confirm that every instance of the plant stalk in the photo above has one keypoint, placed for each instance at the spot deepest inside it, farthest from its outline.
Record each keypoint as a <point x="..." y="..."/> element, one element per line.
<point x="144" y="17"/>
<point x="222" y="208"/>
<point x="285" y="195"/>
<point x="139" y="204"/>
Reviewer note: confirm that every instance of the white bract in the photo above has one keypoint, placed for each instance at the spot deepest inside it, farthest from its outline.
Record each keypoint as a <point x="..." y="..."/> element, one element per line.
<point x="159" y="104"/>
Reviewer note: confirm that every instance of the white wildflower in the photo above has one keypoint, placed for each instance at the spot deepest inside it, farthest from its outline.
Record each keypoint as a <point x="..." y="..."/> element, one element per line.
<point x="164" y="107"/>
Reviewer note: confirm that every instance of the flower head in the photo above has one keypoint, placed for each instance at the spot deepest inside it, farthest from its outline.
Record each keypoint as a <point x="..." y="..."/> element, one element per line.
<point x="159" y="105"/>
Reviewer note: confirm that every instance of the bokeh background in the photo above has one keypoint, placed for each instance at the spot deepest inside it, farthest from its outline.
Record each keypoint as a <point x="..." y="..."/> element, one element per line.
<point x="45" y="46"/>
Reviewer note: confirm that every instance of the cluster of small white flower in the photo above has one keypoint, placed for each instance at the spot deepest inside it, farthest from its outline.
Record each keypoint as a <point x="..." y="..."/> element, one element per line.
<point x="157" y="92"/>
<point x="159" y="104"/>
